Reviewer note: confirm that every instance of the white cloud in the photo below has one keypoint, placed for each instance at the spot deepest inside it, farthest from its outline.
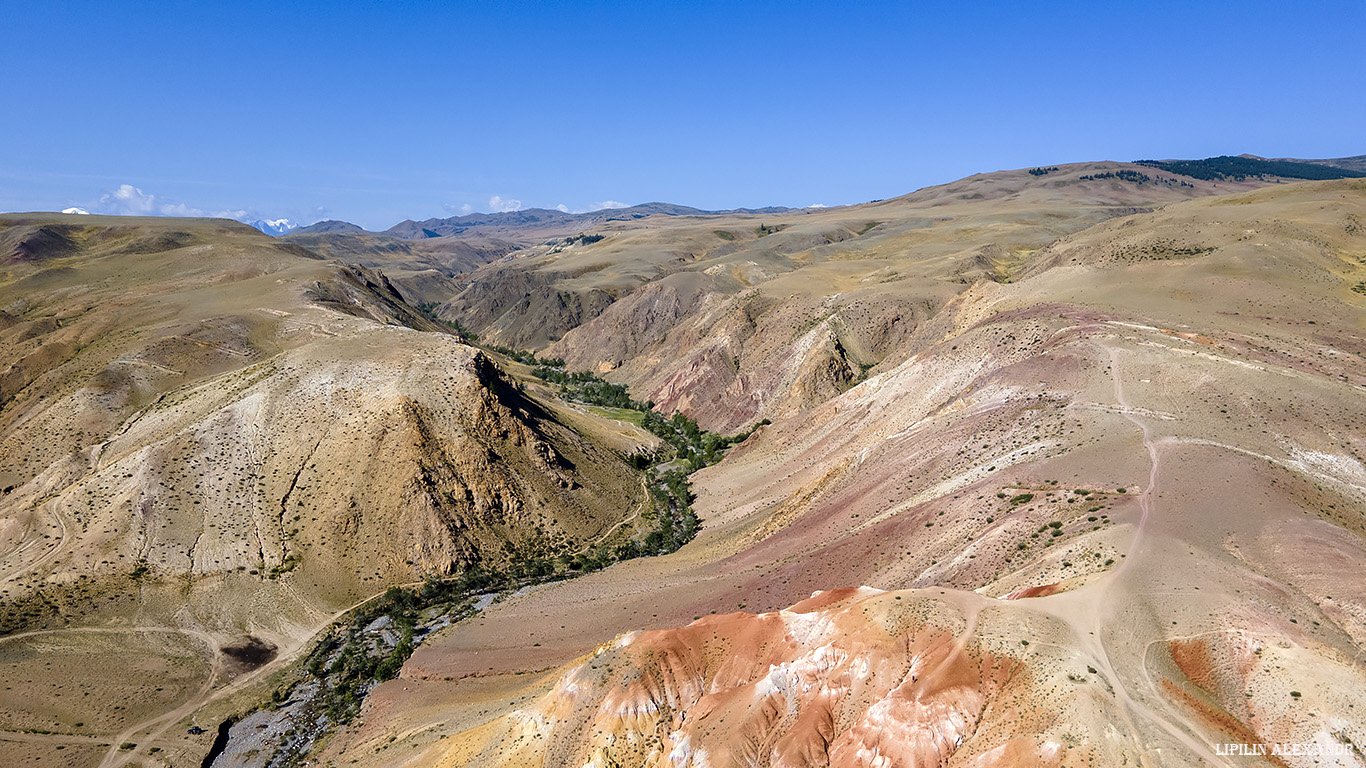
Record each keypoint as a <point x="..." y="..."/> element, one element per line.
<point x="602" y="206"/>
<point x="76" y="210"/>
<point x="128" y="200"/>
<point x="464" y="209"/>
<point x="179" y="209"/>
<point x="498" y="204"/>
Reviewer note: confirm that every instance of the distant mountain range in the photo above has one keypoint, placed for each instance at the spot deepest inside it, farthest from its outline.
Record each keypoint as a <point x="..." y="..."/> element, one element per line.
<point x="532" y="222"/>
<point x="331" y="226"/>
<point x="533" y="217"/>
<point x="528" y="219"/>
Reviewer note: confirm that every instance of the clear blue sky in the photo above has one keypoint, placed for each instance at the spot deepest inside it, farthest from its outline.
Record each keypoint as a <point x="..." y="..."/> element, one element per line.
<point x="376" y="112"/>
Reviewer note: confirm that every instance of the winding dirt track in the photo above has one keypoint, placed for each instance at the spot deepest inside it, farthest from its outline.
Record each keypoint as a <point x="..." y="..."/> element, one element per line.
<point x="151" y="729"/>
<point x="1145" y="498"/>
<point x="52" y="508"/>
<point x="147" y="731"/>
<point x="215" y="668"/>
<point x="1086" y="609"/>
<point x="635" y="515"/>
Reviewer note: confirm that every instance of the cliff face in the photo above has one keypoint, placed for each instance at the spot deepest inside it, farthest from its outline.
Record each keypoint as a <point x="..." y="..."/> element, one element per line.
<point x="729" y="360"/>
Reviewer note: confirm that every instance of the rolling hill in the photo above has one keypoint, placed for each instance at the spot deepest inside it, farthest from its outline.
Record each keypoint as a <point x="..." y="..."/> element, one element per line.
<point x="1104" y="513"/>
<point x="1055" y="466"/>
<point x="533" y="224"/>
<point x="737" y="319"/>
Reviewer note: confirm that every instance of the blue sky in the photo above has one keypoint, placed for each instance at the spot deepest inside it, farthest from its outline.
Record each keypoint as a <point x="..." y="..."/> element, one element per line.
<point x="376" y="112"/>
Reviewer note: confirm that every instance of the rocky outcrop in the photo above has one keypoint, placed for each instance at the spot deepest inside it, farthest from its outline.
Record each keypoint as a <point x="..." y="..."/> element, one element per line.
<point x="851" y="677"/>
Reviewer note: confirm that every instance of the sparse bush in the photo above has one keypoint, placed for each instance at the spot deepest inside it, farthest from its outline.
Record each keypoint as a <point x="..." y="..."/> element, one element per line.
<point x="1124" y="174"/>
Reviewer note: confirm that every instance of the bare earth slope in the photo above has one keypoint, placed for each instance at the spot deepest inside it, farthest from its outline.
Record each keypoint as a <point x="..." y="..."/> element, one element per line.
<point x="421" y="270"/>
<point x="1109" y="514"/>
<point x="206" y="434"/>
<point x="734" y="319"/>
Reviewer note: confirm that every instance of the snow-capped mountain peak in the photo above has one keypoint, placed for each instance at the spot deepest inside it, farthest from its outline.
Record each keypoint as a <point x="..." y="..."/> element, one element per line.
<point x="275" y="227"/>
